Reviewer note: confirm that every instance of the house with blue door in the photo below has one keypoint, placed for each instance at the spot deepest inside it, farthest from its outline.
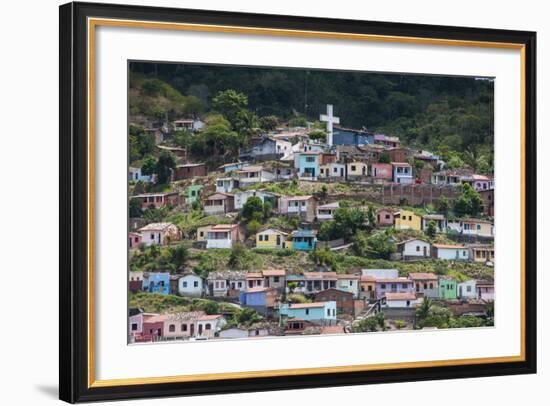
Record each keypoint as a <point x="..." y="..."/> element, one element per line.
<point x="308" y="165"/>
<point x="261" y="298"/>
<point x="157" y="282"/>
<point x="304" y="240"/>
<point x="323" y="313"/>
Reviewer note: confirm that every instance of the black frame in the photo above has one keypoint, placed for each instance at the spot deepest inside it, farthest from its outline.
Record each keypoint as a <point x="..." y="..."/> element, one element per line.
<point x="73" y="202"/>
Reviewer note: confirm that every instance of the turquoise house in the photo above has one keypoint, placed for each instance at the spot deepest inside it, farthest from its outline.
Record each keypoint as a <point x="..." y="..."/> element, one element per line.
<point x="157" y="282"/>
<point x="303" y="240"/>
<point x="193" y="193"/>
<point x="318" y="312"/>
<point x="309" y="164"/>
<point x="447" y="288"/>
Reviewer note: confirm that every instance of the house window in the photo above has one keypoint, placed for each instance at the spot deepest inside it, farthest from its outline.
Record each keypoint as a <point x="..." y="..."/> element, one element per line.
<point x="383" y="286"/>
<point x="276" y="279"/>
<point x="172" y="328"/>
<point x="207" y="326"/>
<point x="261" y="237"/>
<point x="307" y="311"/>
<point x="240" y="284"/>
<point x="184" y="327"/>
<point x="410" y="218"/>
<point x="418" y="248"/>
<point x="425" y="286"/>
<point x="479" y="226"/>
<point x="404" y="285"/>
<point x="351" y="283"/>
<point x="468" y="288"/>
<point x="431" y="285"/>
<point x="328" y="312"/>
<point x="394" y="285"/>
<point x="353" y="167"/>
<point x="196" y="284"/>
<point x="134" y="326"/>
<point x="369" y="288"/>
<point x="184" y="284"/>
<point x="335" y="170"/>
<point x="152" y="236"/>
<point x="387" y="216"/>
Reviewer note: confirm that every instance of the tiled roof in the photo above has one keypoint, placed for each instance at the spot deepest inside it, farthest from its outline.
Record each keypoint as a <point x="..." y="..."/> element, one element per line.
<point x="400" y="296"/>
<point x="156" y="227"/>
<point x="422" y="276"/>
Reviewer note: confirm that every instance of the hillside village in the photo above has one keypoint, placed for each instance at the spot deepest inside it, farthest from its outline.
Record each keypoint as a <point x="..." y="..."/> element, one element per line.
<point x="301" y="227"/>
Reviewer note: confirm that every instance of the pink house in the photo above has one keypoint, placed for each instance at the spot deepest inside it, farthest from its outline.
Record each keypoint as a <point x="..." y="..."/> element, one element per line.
<point x="381" y="171"/>
<point x="385" y="216"/>
<point x="134" y="239"/>
<point x="485" y="290"/>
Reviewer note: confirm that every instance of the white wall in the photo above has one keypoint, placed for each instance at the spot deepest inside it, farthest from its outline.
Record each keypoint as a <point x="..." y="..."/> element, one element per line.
<point x="28" y="79"/>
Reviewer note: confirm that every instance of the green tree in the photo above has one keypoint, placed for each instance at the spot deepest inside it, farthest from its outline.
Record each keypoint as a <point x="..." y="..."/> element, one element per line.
<point x="253" y="209"/>
<point x="179" y="256"/>
<point x="384" y="158"/>
<point x="269" y="123"/>
<point x="211" y="307"/>
<point x="318" y="135"/>
<point x="247" y="124"/>
<point x="443" y="205"/>
<point x="299" y="121"/>
<point x="468" y="202"/>
<point x="360" y="246"/>
<point x="380" y="246"/>
<point x="423" y="310"/>
<point x="323" y="257"/>
<point x="349" y="220"/>
<point x="246" y="317"/>
<point x="134" y="207"/>
<point x="238" y="258"/>
<point x="431" y="229"/>
<point x="149" y="165"/>
<point x="253" y="227"/>
<point x="230" y="103"/>
<point x="165" y="165"/>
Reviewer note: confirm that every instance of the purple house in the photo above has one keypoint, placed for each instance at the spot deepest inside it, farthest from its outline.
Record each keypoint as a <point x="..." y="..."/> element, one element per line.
<point x="261" y="299"/>
<point x="393" y="285"/>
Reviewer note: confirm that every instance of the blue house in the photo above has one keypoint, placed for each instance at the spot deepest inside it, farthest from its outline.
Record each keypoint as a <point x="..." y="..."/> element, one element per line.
<point x="261" y="299"/>
<point x="348" y="136"/>
<point x="157" y="282"/>
<point x="323" y="313"/>
<point x="304" y="240"/>
<point x="308" y="166"/>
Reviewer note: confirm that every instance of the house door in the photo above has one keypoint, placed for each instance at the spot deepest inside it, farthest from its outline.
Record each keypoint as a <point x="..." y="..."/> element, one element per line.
<point x="342" y="172"/>
<point x="200" y="329"/>
<point x="158" y="239"/>
<point x="192" y="330"/>
<point x="278" y="240"/>
<point x="425" y="251"/>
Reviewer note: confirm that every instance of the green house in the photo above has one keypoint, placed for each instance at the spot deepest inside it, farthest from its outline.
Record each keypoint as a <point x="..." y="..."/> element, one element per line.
<point x="193" y="192"/>
<point x="447" y="288"/>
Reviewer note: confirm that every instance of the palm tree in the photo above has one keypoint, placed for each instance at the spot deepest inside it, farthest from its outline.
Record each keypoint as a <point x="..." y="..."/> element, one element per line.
<point x="473" y="158"/>
<point x="424" y="310"/>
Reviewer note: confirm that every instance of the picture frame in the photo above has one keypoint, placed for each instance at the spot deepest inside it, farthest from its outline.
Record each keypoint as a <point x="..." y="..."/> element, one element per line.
<point x="78" y="22"/>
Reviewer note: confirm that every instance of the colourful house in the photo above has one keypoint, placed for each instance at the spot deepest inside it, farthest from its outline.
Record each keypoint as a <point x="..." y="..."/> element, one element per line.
<point x="323" y="313"/>
<point x="478" y="227"/>
<point x="393" y="285"/>
<point x="482" y="252"/>
<point x="134" y="239"/>
<point x="226" y="185"/>
<point x="402" y="173"/>
<point x="485" y="290"/>
<point x="381" y="171"/>
<point x="414" y="249"/>
<point x="467" y="290"/>
<point x="357" y="170"/>
<point x="447" y="288"/>
<point x="438" y="219"/>
<point x="302" y="206"/>
<point x="158" y="199"/>
<point x="314" y="282"/>
<point x="308" y="165"/>
<point x="219" y="203"/>
<point x="326" y="211"/>
<point x="304" y="240"/>
<point x="273" y="239"/>
<point x="261" y="299"/>
<point x="407" y="220"/>
<point x="193" y="193"/>
<point x="384" y="217"/>
<point x="425" y="284"/>
<point x="159" y="233"/>
<point x="450" y="252"/>
<point x="223" y="236"/>
<point x="157" y="282"/>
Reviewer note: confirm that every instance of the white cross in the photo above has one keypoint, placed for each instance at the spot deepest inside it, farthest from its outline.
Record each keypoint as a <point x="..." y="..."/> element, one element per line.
<point x="330" y="120"/>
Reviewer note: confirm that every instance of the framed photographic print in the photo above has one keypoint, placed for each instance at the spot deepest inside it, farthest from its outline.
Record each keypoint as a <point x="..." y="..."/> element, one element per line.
<point x="258" y="202"/>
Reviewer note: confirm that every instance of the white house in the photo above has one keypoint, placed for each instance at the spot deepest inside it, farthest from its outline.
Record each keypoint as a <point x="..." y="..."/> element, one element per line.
<point x="401" y="300"/>
<point x="450" y="252"/>
<point x="402" y="173"/>
<point x="226" y="185"/>
<point x="413" y="249"/>
<point x="349" y="283"/>
<point x="250" y="175"/>
<point x="159" y="233"/>
<point x="190" y="285"/>
<point x="134" y="174"/>
<point x="326" y="211"/>
<point x="222" y="236"/>
<point x="467" y="290"/>
<point x="242" y="197"/>
<point x="381" y="273"/>
<point x="332" y="170"/>
<point x="209" y="325"/>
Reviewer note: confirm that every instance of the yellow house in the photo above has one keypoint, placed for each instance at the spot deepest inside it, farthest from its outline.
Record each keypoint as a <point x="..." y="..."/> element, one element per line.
<point x="272" y="239"/>
<point x="202" y="232"/>
<point x="407" y="220"/>
<point x="357" y="169"/>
